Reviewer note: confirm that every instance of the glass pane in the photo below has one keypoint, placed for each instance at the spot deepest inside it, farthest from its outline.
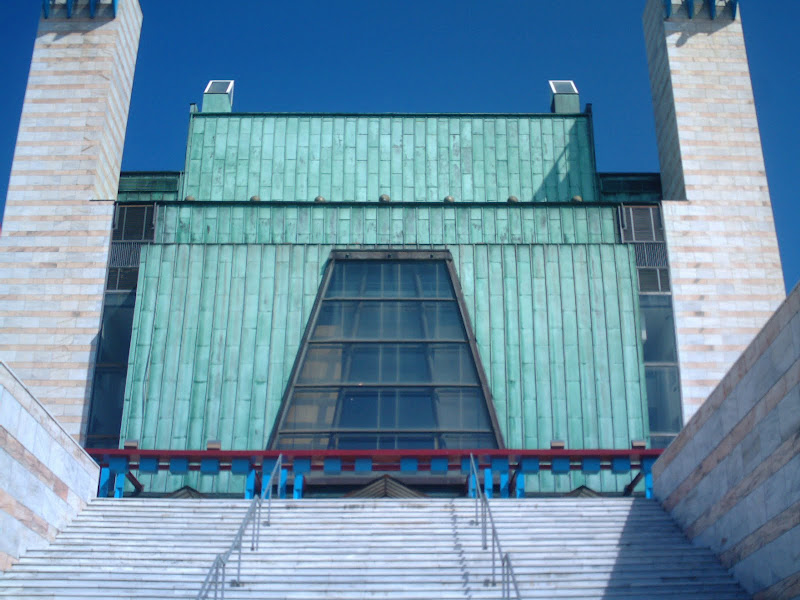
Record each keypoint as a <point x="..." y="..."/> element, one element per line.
<point x="115" y="334"/>
<point x="303" y="442"/>
<point x="356" y="442"/>
<point x="663" y="399"/>
<point x="415" y="410"/>
<point x="108" y="395"/>
<point x="359" y="410"/>
<point x="657" y="321"/>
<point x="311" y="410"/>
<point x="323" y="364"/>
<point x="462" y="409"/>
<point x="468" y="440"/>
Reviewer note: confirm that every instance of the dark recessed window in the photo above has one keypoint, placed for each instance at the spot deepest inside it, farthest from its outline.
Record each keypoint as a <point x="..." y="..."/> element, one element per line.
<point x="387" y="363"/>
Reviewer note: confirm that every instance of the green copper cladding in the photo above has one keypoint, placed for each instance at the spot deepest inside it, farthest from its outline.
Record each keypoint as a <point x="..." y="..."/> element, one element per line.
<point x="225" y="293"/>
<point x="412" y="158"/>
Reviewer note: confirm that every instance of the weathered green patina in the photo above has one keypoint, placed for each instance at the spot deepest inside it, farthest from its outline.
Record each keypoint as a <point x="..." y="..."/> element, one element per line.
<point x="225" y="291"/>
<point x="412" y="158"/>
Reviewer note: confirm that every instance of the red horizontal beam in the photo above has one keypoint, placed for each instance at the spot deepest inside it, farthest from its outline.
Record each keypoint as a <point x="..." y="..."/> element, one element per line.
<point x="378" y="456"/>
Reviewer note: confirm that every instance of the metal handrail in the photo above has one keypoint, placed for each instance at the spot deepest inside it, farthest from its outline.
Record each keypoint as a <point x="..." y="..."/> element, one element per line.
<point x="507" y="575"/>
<point x="216" y="573"/>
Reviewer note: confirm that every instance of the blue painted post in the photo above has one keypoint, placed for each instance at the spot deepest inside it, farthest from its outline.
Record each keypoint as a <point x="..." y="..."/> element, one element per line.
<point x="298" y="487"/>
<point x="70" y="4"/>
<point x="504" y="484"/>
<point x="647" y="467"/>
<point x="250" y="484"/>
<point x="118" y="467"/>
<point x="488" y="482"/>
<point x="690" y="8"/>
<point x="105" y="479"/>
<point x="119" y="485"/>
<point x="520" y="487"/>
<point x="282" y="484"/>
<point x="668" y="7"/>
<point x="92" y="8"/>
<point x="473" y="485"/>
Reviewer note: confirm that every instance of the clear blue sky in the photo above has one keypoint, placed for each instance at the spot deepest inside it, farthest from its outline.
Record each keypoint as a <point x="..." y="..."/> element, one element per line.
<point x="413" y="56"/>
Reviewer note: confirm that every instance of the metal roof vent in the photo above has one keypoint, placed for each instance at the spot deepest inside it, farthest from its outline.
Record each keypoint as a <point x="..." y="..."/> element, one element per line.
<point x="218" y="96"/>
<point x="565" y="97"/>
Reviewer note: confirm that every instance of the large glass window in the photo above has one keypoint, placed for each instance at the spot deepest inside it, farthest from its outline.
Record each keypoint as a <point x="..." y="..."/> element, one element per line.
<point x="387" y="364"/>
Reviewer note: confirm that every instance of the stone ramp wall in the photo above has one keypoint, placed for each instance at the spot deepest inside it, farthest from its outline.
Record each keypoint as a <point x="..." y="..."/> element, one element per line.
<point x="46" y="478"/>
<point x="732" y="477"/>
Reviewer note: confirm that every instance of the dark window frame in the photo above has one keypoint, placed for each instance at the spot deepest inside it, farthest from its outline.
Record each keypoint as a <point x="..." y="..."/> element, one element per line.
<point x="384" y="255"/>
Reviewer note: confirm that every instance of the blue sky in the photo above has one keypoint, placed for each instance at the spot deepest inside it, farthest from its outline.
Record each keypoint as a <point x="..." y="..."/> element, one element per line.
<point x="414" y="56"/>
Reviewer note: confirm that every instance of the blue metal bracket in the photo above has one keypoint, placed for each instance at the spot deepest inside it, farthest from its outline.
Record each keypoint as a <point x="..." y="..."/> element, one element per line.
<point x="46" y="8"/>
<point x="209" y="466"/>
<point x="179" y="466"/>
<point x="488" y="482"/>
<point x="734" y="7"/>
<point x="529" y="465"/>
<point x="668" y="8"/>
<point x="519" y="487"/>
<point x="297" y="492"/>
<point x="473" y="485"/>
<point x="409" y="465"/>
<point x="690" y="8"/>
<point x="362" y="465"/>
<point x="119" y="485"/>
<point x="92" y="8"/>
<point x="439" y="464"/>
<point x="116" y="7"/>
<point x="591" y="465"/>
<point x="332" y="466"/>
<point x="620" y="465"/>
<point x="712" y="8"/>
<point x="301" y="465"/>
<point x="70" y="4"/>
<point x="240" y="466"/>
<point x="560" y="465"/>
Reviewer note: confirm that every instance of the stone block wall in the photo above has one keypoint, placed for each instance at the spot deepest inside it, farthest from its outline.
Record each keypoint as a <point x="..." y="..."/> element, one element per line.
<point x="720" y="233"/>
<point x="46" y="478"/>
<point x="732" y="477"/>
<point x="59" y="210"/>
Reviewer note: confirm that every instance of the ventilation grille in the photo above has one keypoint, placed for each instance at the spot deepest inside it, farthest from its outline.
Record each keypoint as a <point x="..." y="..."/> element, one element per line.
<point x="125" y="254"/>
<point x="651" y="255"/>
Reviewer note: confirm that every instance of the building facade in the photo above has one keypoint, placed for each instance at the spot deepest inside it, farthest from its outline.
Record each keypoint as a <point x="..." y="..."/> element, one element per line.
<point x="393" y="281"/>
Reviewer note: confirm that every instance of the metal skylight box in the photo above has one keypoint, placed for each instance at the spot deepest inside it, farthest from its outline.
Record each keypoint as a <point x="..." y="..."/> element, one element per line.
<point x="565" y="97"/>
<point x="218" y="96"/>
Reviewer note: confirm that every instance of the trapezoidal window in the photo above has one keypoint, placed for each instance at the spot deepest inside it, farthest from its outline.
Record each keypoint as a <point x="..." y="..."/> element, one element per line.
<point x="388" y="361"/>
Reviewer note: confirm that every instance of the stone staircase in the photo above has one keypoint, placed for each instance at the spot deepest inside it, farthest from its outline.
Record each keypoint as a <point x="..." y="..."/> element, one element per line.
<point x="358" y="549"/>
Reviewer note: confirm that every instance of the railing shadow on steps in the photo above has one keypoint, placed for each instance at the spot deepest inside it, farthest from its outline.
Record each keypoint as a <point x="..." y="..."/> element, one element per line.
<point x="215" y="578"/>
<point x="486" y="521"/>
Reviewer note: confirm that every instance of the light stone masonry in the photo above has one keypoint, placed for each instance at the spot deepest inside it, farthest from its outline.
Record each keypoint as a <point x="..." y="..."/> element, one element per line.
<point x="64" y="178"/>
<point x="46" y="478"/>
<point x="731" y="478"/>
<point x="722" y="248"/>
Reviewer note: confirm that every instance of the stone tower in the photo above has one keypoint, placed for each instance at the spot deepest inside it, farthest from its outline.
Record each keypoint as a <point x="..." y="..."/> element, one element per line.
<point x="723" y="251"/>
<point x="59" y="210"/>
